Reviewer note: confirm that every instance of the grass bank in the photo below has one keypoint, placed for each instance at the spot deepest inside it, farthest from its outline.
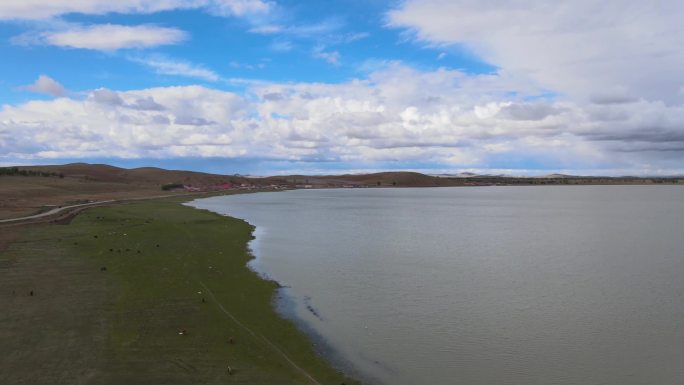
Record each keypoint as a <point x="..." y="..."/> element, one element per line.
<point x="146" y="293"/>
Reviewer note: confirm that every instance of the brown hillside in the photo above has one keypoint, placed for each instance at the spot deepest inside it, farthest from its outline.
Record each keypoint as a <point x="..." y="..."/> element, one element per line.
<point x="398" y="179"/>
<point x="25" y="195"/>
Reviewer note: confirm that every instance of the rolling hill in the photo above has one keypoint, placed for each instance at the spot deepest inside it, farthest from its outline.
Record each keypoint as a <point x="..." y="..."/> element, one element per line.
<point x="29" y="189"/>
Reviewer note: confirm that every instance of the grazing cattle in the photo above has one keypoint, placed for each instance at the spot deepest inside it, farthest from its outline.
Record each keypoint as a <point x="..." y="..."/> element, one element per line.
<point x="31" y="293"/>
<point x="103" y="268"/>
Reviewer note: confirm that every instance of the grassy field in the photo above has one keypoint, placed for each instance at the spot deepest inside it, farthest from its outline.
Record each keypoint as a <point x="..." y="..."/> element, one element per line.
<point x="20" y="195"/>
<point x="145" y="293"/>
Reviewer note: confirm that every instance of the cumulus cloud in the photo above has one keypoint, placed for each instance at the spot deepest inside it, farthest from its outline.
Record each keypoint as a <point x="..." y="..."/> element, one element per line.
<point x="527" y="111"/>
<point x="607" y="50"/>
<point x="105" y="96"/>
<point x="111" y="123"/>
<point x="46" y="85"/>
<point x="572" y="91"/>
<point x="397" y="114"/>
<point x="104" y="37"/>
<point x="147" y="103"/>
<point x="45" y="9"/>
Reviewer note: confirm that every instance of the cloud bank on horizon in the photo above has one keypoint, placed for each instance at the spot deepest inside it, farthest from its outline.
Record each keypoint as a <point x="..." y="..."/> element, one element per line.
<point x="523" y="87"/>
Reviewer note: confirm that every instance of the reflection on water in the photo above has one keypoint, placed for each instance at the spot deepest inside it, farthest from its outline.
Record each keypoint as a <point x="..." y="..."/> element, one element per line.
<point x="493" y="285"/>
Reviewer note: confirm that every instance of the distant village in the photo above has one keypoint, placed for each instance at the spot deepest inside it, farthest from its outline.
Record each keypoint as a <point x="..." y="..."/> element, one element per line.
<point x="226" y="186"/>
<point x="326" y="182"/>
<point x="177" y="187"/>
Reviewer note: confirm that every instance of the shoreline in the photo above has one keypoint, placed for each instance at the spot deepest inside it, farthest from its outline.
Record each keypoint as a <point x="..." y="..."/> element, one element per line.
<point x="285" y="306"/>
<point x="282" y="303"/>
<point x="151" y="289"/>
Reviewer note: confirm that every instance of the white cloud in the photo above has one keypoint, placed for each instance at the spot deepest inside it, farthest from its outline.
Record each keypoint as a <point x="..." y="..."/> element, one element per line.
<point x="352" y="37"/>
<point x="268" y="29"/>
<point x="248" y="66"/>
<point x="397" y="114"/>
<point x="45" y="9"/>
<point x="239" y="7"/>
<point x="281" y="46"/>
<point x="629" y="48"/>
<point x="105" y="37"/>
<point x="327" y="32"/>
<point x="46" y="85"/>
<point x="620" y="86"/>
<point x="174" y="121"/>
<point x="304" y="31"/>
<point x="332" y="57"/>
<point x="166" y="66"/>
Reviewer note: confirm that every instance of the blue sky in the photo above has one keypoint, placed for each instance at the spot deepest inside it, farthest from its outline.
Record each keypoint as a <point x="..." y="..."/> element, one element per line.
<point x="261" y="87"/>
<point x="355" y="29"/>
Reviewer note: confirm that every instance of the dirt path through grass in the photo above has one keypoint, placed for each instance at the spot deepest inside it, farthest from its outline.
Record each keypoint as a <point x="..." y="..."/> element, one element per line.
<point x="261" y="337"/>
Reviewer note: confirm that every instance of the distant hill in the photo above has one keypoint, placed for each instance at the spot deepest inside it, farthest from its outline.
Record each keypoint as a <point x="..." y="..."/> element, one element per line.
<point x="31" y="192"/>
<point x="139" y="176"/>
<point x="28" y="192"/>
<point x="384" y="179"/>
<point x="459" y="175"/>
<point x="558" y="176"/>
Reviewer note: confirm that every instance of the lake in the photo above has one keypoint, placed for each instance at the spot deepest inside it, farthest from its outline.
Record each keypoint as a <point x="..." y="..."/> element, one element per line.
<point x="483" y="285"/>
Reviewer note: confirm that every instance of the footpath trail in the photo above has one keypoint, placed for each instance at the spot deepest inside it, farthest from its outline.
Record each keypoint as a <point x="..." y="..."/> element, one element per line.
<point x="63" y="209"/>
<point x="54" y="211"/>
<point x="260" y="337"/>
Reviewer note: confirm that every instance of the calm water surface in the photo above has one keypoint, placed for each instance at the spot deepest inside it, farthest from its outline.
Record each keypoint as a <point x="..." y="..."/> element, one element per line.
<point x="481" y="286"/>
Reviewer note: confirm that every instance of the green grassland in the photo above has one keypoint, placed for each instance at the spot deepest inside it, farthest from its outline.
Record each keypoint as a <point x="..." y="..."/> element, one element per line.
<point x="146" y="293"/>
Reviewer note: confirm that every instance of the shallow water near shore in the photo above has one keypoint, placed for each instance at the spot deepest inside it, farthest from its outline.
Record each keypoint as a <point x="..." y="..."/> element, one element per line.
<point x="487" y="285"/>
